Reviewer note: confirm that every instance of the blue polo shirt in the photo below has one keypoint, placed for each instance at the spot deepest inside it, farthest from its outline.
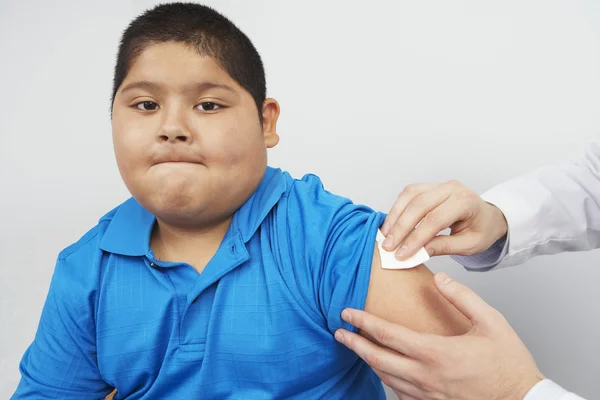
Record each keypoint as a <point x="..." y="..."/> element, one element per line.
<point x="257" y="323"/>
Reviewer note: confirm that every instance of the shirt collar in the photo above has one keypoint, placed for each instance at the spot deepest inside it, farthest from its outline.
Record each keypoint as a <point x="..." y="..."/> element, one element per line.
<point x="129" y="230"/>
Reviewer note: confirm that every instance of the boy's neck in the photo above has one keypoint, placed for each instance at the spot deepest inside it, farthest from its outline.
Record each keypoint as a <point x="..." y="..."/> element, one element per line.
<point x="193" y="246"/>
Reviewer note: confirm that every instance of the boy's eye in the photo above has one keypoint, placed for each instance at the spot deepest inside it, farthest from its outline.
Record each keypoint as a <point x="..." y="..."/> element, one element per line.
<point x="146" y="106"/>
<point x="208" y="106"/>
<point x="151" y="106"/>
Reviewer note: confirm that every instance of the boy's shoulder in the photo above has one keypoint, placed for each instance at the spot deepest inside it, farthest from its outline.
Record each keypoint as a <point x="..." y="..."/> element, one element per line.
<point x="308" y="182"/>
<point x="300" y="207"/>
<point x="308" y="185"/>
<point x="310" y="190"/>
<point x="310" y="211"/>
<point x="90" y="241"/>
<point x="79" y="266"/>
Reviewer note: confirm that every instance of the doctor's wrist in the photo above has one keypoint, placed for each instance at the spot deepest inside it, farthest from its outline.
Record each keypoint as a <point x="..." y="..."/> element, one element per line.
<point x="498" y="222"/>
<point x="524" y="386"/>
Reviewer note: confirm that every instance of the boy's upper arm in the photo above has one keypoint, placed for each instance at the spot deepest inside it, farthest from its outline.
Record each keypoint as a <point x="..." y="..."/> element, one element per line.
<point x="61" y="361"/>
<point x="408" y="297"/>
<point x="334" y="263"/>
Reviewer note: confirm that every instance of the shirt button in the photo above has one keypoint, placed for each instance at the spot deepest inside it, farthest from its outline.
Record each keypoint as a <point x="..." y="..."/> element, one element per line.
<point x="153" y="265"/>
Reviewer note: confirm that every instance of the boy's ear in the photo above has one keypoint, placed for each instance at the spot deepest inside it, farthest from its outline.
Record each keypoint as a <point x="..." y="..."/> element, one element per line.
<point x="270" y="113"/>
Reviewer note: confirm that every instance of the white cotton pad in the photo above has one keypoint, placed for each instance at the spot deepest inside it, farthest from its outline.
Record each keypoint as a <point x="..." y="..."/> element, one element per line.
<point x="389" y="261"/>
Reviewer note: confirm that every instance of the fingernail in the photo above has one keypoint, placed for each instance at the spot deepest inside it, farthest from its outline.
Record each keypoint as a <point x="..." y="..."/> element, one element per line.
<point x="339" y="336"/>
<point x="346" y="316"/>
<point x="401" y="251"/>
<point x="388" y="241"/>
<point x="442" y="278"/>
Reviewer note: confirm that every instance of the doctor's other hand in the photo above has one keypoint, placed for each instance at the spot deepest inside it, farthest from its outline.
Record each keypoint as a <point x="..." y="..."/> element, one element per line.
<point x="475" y="225"/>
<point x="488" y="362"/>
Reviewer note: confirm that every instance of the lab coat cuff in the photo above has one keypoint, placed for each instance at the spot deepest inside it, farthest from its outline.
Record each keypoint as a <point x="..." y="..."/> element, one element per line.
<point x="548" y="390"/>
<point x="488" y="259"/>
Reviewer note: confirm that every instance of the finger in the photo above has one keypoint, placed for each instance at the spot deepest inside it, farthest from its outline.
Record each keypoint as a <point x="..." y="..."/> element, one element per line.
<point x="462" y="244"/>
<point x="464" y="299"/>
<point x="393" y="336"/>
<point x="414" y="212"/>
<point x="440" y="218"/>
<point x="402" y="201"/>
<point x="377" y="357"/>
<point x="403" y="388"/>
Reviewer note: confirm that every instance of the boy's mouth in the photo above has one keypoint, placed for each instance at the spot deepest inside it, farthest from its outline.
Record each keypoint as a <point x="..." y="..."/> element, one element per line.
<point x="179" y="157"/>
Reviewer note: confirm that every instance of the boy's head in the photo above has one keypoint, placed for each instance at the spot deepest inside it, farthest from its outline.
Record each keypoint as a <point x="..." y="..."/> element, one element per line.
<point x="190" y="120"/>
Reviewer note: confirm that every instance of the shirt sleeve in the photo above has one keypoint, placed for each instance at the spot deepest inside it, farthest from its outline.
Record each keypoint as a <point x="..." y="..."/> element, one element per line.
<point x="61" y="362"/>
<point x="486" y="260"/>
<point x="332" y="243"/>
<point x="548" y="390"/>
<point x="550" y="210"/>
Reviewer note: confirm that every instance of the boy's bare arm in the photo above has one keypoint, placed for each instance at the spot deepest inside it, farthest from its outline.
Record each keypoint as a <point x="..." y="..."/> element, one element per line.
<point x="408" y="297"/>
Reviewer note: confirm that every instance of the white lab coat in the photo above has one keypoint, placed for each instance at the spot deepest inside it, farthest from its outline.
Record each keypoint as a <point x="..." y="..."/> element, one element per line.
<point x="550" y="210"/>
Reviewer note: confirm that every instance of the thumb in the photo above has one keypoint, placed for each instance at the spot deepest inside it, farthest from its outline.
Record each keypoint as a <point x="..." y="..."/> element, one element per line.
<point x="464" y="299"/>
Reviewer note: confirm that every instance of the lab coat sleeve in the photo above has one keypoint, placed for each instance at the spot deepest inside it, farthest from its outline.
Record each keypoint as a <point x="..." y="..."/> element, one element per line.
<point x="551" y="210"/>
<point x="548" y="390"/>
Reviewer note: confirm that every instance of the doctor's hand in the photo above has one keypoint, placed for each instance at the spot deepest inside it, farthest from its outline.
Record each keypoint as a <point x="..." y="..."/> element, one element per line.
<point x="488" y="362"/>
<point x="475" y="225"/>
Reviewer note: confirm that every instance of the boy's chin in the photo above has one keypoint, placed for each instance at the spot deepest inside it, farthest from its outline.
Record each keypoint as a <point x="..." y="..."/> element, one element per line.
<point x="177" y="204"/>
<point x="191" y="217"/>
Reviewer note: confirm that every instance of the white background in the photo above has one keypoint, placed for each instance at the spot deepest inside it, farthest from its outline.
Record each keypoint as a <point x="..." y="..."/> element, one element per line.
<point x="375" y="95"/>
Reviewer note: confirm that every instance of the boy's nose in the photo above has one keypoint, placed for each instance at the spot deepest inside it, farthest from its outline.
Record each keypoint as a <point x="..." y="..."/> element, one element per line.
<point x="174" y="125"/>
<point x="174" y="133"/>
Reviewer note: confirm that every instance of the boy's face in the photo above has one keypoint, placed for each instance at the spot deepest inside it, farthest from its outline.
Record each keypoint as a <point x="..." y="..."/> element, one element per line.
<point x="187" y="137"/>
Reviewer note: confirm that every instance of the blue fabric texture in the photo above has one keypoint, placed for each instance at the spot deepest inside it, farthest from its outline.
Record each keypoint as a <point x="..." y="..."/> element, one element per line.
<point x="257" y="323"/>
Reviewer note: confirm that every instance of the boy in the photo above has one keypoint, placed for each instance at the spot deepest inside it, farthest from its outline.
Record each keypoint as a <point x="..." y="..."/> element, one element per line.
<point x="220" y="277"/>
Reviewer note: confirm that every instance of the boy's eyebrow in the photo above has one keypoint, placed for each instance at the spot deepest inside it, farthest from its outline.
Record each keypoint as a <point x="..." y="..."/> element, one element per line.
<point x="196" y="87"/>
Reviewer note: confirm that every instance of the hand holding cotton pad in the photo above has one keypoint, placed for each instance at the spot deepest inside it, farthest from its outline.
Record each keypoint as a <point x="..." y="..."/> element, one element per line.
<point x="389" y="261"/>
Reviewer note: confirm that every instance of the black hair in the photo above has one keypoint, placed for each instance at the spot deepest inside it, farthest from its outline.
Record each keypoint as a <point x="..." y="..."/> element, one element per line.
<point x="205" y="30"/>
